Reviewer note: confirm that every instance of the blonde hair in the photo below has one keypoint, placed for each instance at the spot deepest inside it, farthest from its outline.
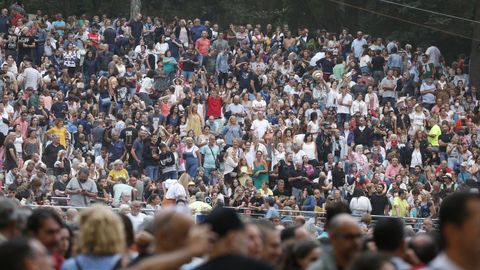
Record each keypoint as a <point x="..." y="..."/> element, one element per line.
<point x="184" y="179"/>
<point x="101" y="232"/>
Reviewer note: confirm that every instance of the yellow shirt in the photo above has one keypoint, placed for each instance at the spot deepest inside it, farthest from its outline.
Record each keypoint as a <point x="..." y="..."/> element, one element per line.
<point x="435" y="130"/>
<point x="267" y="193"/>
<point x="114" y="174"/>
<point x="402" y="205"/>
<point x="60" y="132"/>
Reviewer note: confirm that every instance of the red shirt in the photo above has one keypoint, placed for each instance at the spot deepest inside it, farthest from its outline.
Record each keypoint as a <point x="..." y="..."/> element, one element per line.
<point x="203" y="45"/>
<point x="214" y="106"/>
<point x="95" y="38"/>
<point x="439" y="169"/>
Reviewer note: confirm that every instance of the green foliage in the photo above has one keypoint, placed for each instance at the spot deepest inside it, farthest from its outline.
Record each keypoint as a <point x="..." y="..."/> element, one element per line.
<point x="315" y="14"/>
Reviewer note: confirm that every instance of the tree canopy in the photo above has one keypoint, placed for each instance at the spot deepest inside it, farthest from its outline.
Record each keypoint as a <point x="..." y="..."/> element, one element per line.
<point x="375" y="17"/>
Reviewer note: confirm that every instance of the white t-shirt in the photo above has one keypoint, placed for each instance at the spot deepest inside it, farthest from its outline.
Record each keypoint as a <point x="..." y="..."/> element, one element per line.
<point x="359" y="106"/>
<point x="147" y="84"/>
<point x="365" y="60"/>
<point x="342" y="108"/>
<point x="260" y="127"/>
<point x="360" y="205"/>
<point x="31" y="77"/>
<point x="417" y="119"/>
<point x="136" y="220"/>
<point x="119" y="189"/>
<point x="428" y="98"/>
<point x="434" y="55"/>
<point x="3" y="126"/>
<point x="314" y="127"/>
<point x="357" y="46"/>
<point x="175" y="191"/>
<point x="161" y="48"/>
<point x="259" y="105"/>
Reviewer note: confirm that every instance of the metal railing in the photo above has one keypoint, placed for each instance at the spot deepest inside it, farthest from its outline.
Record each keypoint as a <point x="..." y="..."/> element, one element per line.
<point x="286" y="216"/>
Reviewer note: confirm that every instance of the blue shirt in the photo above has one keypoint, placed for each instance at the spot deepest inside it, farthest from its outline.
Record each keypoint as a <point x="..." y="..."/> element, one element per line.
<point x="115" y="150"/>
<point x="57" y="24"/>
<point x="222" y="63"/>
<point x="197" y="32"/>
<point x="91" y="262"/>
<point x="210" y="153"/>
<point x="271" y="213"/>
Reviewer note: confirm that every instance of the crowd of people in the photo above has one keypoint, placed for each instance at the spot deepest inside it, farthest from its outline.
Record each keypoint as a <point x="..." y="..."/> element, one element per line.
<point x="148" y="113"/>
<point x="47" y="238"/>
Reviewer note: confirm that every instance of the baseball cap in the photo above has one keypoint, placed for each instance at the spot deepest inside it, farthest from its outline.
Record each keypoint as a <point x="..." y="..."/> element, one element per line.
<point x="223" y="221"/>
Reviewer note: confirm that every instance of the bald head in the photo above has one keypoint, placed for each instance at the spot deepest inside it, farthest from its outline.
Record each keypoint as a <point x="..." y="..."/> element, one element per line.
<point x="171" y="229"/>
<point x="341" y="221"/>
<point x="345" y="235"/>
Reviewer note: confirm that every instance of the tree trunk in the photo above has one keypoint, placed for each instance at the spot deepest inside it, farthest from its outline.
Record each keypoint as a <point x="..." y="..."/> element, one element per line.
<point x="475" y="54"/>
<point x="135" y="8"/>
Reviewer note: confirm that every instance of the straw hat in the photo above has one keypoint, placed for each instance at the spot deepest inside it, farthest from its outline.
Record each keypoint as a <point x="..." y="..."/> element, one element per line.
<point x="317" y="74"/>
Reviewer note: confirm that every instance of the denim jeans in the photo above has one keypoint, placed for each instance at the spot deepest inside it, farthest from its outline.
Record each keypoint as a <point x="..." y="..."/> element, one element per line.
<point x="453" y="163"/>
<point x="152" y="172"/>
<point x="187" y="75"/>
<point x="343" y="118"/>
<point x="170" y="175"/>
<point x="103" y="73"/>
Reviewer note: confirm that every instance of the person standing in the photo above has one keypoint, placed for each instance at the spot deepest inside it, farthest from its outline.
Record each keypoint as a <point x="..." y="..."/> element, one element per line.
<point x="137" y="151"/>
<point x="427" y="90"/>
<point x="344" y="104"/>
<point x="202" y="46"/>
<point x="210" y="153"/>
<point x="192" y="158"/>
<point x="167" y="163"/>
<point x="81" y="189"/>
<point x="400" y="206"/>
<point x="357" y="45"/>
<point x="50" y="153"/>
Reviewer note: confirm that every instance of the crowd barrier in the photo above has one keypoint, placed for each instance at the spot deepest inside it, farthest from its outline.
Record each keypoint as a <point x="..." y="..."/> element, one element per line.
<point x="286" y="216"/>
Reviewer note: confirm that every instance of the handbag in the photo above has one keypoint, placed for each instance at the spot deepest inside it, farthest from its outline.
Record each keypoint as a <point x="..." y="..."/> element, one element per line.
<point x="84" y="196"/>
<point x="217" y="163"/>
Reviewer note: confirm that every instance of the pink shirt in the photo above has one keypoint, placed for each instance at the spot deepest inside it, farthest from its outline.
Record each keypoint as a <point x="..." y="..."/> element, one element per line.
<point x="47" y="101"/>
<point x="165" y="108"/>
<point x="203" y="45"/>
<point x="391" y="171"/>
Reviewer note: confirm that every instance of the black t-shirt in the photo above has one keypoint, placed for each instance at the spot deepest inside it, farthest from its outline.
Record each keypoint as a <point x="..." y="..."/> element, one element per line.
<point x="234" y="262"/>
<point x="284" y="172"/>
<point x="59" y="109"/>
<point x="12" y="40"/>
<point x="244" y="78"/>
<point x="257" y="202"/>
<point x="58" y="185"/>
<point x="25" y="40"/>
<point x="150" y="149"/>
<point x="378" y="204"/>
<point x="256" y="83"/>
<point x="109" y="35"/>
<point x="137" y="27"/>
<point x="50" y="154"/>
<point x="446" y="138"/>
<point x="128" y="135"/>
<point x="9" y="162"/>
<point x="377" y="63"/>
<point x="284" y="193"/>
<point x="188" y="59"/>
